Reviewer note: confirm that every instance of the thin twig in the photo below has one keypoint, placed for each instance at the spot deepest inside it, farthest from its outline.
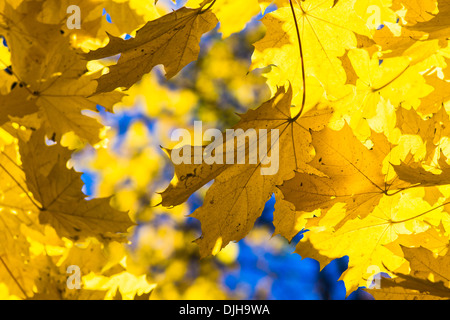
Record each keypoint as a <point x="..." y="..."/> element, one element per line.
<point x="208" y="7"/>
<point x="13" y="277"/>
<point x="302" y="61"/>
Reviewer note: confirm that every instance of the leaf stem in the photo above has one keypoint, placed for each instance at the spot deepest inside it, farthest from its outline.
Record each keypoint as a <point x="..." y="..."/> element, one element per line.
<point x="421" y="214"/>
<point x="302" y="61"/>
<point x="19" y="185"/>
<point x="386" y="192"/>
<point x="13" y="277"/>
<point x="391" y="81"/>
<point x="208" y="7"/>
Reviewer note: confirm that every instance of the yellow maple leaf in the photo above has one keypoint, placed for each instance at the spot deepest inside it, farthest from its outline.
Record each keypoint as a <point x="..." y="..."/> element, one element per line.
<point x="325" y="30"/>
<point x="440" y="96"/>
<point x="126" y="17"/>
<point x="237" y="196"/>
<point x="63" y="205"/>
<point x="416" y="10"/>
<point x="365" y="240"/>
<point x="394" y="80"/>
<point x="428" y="278"/>
<point x="52" y="79"/>
<point x="172" y="40"/>
<point x="353" y="174"/>
<point x="41" y="202"/>
<point x="232" y="14"/>
<point x="439" y="26"/>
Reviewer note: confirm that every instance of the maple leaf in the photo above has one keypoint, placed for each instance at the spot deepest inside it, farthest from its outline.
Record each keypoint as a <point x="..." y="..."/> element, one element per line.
<point x="411" y="123"/>
<point x="368" y="201"/>
<point x="358" y="197"/>
<point x="353" y="174"/>
<point x="422" y="262"/>
<point x="54" y="83"/>
<point x="440" y="94"/>
<point x="58" y="192"/>
<point x="41" y="201"/>
<point x="14" y="251"/>
<point x="428" y="279"/>
<point x="430" y="130"/>
<point x="51" y="283"/>
<point x="396" y="38"/>
<point x="357" y="175"/>
<point x="100" y="271"/>
<point x="439" y="26"/>
<point x="14" y="105"/>
<point x="416" y="10"/>
<point x="366" y="240"/>
<point x="395" y="80"/>
<point x="408" y="43"/>
<point x="326" y="30"/>
<point x="172" y="40"/>
<point x="434" y="239"/>
<point x="238" y="195"/>
<point x="62" y="202"/>
<point x="406" y="287"/>
<point x="232" y="14"/>
<point x="376" y="13"/>
<point x="415" y="174"/>
<point x="352" y="77"/>
<point x="126" y="16"/>
<point x="288" y="222"/>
